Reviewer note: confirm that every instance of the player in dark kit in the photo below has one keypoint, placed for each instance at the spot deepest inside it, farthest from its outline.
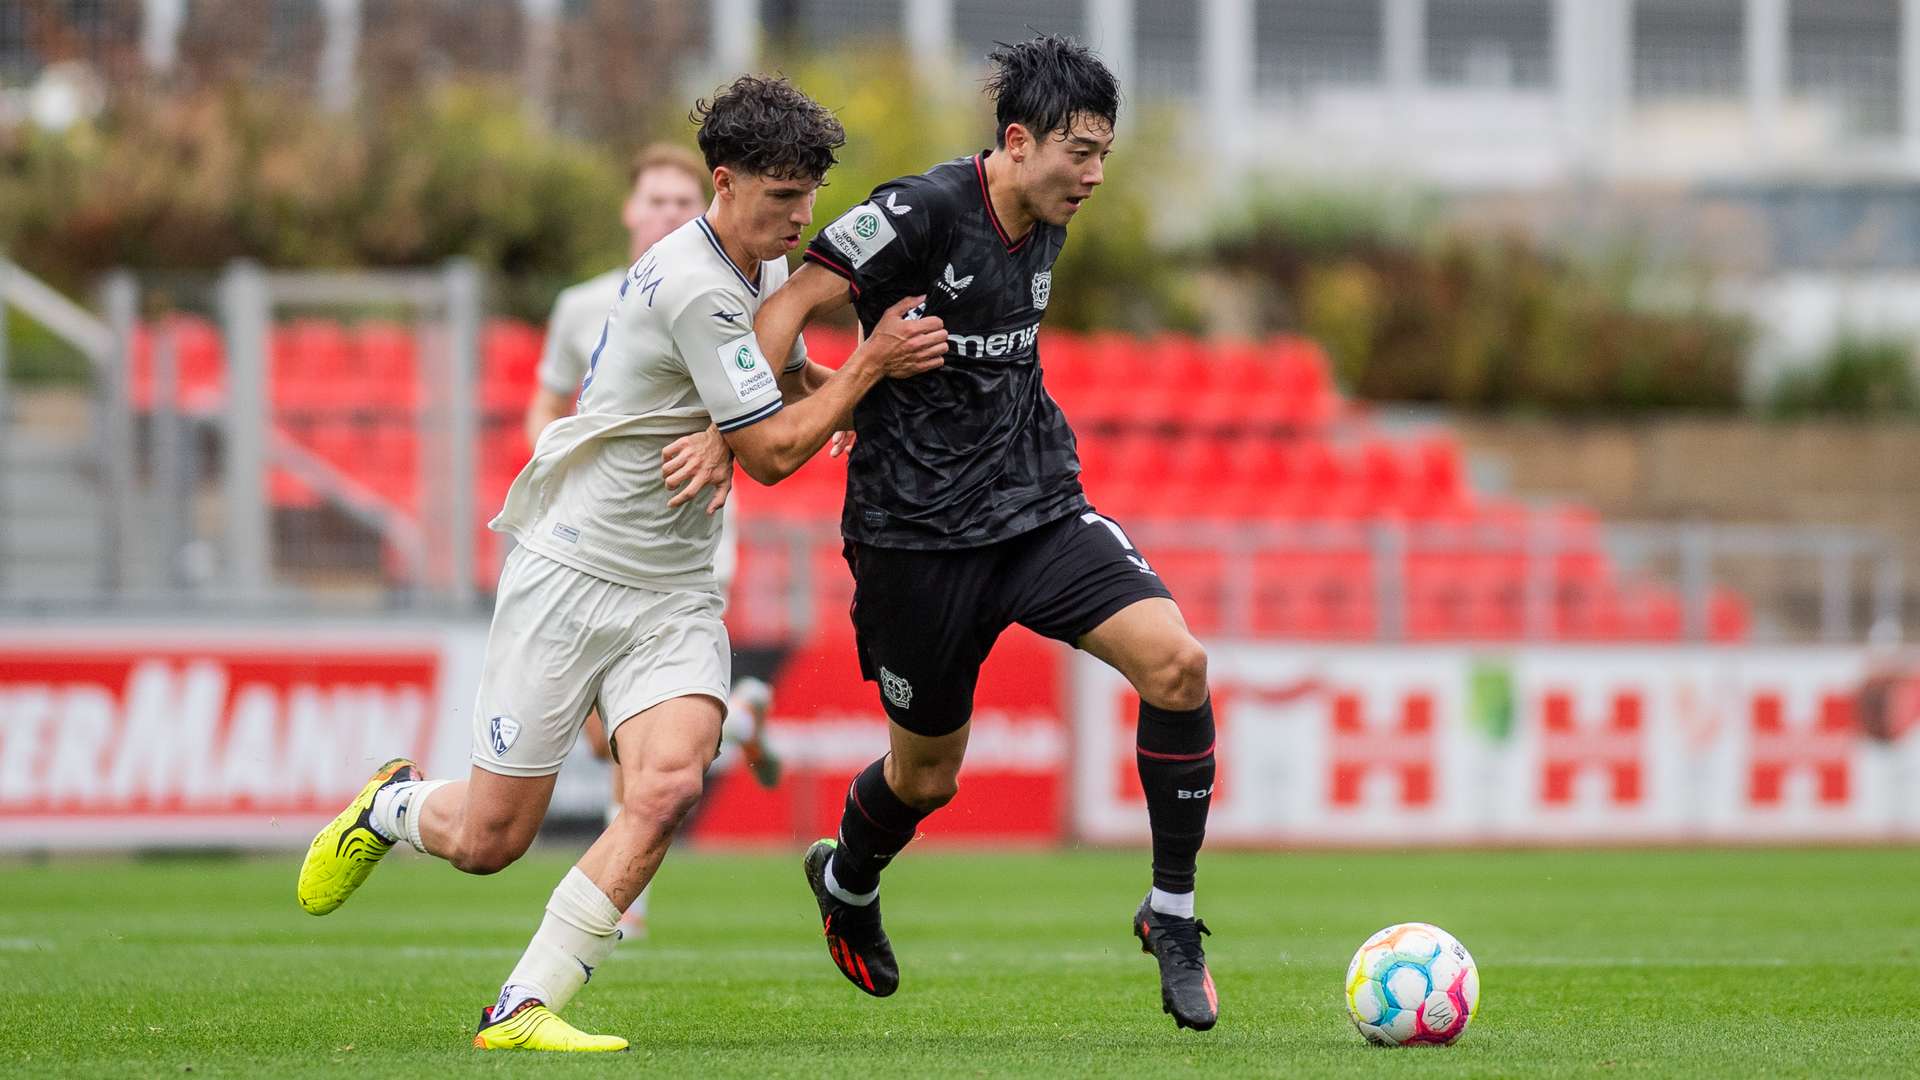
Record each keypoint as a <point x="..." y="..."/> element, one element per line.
<point x="964" y="512"/>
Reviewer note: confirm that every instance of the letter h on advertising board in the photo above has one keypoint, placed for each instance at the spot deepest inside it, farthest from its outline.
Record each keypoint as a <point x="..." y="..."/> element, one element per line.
<point x="1778" y="748"/>
<point x="1404" y="747"/>
<point x="1615" y="746"/>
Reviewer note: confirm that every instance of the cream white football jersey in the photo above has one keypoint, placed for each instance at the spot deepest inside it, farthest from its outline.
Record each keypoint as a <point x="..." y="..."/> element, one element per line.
<point x="675" y="353"/>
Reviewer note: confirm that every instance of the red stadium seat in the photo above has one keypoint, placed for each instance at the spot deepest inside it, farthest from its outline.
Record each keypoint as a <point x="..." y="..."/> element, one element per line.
<point x="389" y="366"/>
<point x="1728" y="619"/>
<point x="1314" y="594"/>
<point x="1196" y="577"/>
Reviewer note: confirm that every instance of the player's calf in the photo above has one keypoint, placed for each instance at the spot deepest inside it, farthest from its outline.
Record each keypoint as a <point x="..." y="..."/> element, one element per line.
<point x="877" y="823"/>
<point x="483" y="849"/>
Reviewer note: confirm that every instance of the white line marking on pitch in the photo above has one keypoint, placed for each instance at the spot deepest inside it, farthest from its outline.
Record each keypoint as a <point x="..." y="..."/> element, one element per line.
<point x="1643" y="961"/>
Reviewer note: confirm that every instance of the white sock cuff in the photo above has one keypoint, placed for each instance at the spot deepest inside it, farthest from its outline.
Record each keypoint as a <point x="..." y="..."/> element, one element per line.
<point x="580" y="903"/>
<point x="1170" y="903"/>
<point x="576" y="935"/>
<point x="845" y="897"/>
<point x="411" y="810"/>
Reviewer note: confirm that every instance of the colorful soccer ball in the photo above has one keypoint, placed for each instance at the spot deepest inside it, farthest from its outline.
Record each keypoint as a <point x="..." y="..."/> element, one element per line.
<point x="1410" y="985"/>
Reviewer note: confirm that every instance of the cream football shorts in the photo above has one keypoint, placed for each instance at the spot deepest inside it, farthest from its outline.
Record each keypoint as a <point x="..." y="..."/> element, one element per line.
<point x="564" y="641"/>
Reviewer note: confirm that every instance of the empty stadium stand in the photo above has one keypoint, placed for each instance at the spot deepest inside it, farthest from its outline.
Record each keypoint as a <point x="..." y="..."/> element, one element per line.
<point x="1255" y="488"/>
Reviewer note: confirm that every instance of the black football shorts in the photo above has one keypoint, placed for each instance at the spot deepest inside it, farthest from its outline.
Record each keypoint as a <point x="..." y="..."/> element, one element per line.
<point x="924" y="621"/>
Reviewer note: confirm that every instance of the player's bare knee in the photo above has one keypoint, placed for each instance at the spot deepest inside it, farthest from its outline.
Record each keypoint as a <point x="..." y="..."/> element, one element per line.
<point x="661" y="797"/>
<point x="1179" y="681"/>
<point x="927" y="790"/>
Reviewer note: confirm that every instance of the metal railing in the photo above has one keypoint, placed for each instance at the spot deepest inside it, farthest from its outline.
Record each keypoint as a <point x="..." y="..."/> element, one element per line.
<point x="1812" y="590"/>
<point x="187" y="498"/>
<point x="187" y="527"/>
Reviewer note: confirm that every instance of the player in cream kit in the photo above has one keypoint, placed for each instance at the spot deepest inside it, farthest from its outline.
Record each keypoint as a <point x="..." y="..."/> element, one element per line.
<point x="669" y="190"/>
<point x="610" y="599"/>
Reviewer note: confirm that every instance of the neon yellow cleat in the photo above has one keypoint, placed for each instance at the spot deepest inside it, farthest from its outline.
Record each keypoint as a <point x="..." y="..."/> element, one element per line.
<point x="533" y="1026"/>
<point x="344" y="853"/>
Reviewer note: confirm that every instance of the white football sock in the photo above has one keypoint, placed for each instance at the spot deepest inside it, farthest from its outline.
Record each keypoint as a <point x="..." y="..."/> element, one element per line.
<point x="1172" y="903"/>
<point x="396" y="810"/>
<point x="579" y="932"/>
<point x="845" y="897"/>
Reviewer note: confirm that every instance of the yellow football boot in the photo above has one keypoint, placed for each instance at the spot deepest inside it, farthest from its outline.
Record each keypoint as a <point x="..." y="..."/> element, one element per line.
<point x="345" y="852"/>
<point x="533" y="1026"/>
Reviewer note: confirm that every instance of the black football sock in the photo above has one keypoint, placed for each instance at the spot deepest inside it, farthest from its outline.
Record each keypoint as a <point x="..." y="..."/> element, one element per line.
<point x="874" y="826"/>
<point x="1175" y="755"/>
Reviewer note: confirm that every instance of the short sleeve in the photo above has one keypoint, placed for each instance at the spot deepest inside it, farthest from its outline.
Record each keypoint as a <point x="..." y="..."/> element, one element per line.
<point x="882" y="244"/>
<point x="734" y="379"/>
<point x="562" y="367"/>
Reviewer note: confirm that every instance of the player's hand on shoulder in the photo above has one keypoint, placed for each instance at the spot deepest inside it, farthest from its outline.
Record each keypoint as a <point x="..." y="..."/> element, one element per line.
<point x="693" y="463"/>
<point x="905" y="346"/>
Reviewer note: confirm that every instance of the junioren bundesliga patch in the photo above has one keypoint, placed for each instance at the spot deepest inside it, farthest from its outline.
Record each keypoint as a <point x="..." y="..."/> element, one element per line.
<point x="860" y="233"/>
<point x="750" y="374"/>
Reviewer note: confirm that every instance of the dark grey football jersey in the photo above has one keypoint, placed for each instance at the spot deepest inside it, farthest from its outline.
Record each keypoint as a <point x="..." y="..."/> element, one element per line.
<point x="975" y="451"/>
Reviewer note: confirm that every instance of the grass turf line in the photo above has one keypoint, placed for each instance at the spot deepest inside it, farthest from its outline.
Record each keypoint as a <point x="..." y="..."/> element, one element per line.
<point x="1710" y="963"/>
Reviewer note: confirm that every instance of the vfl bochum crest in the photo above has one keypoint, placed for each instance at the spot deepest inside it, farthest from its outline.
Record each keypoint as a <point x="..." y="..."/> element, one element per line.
<point x="1042" y="289"/>
<point x="501" y="731"/>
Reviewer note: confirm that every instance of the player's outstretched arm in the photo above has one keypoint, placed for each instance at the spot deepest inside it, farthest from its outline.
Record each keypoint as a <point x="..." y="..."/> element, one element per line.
<point x="811" y="292"/>
<point x="898" y="348"/>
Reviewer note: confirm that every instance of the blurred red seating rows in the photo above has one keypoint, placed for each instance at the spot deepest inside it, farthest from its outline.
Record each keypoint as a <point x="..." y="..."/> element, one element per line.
<point x="1171" y="429"/>
<point x="1310" y="594"/>
<point x="1105" y="381"/>
<point x="320" y="366"/>
<point x="1254" y="476"/>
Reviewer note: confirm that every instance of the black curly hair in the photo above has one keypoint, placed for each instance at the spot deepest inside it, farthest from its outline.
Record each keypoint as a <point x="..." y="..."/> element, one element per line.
<point x="764" y="126"/>
<point x="1044" y="82"/>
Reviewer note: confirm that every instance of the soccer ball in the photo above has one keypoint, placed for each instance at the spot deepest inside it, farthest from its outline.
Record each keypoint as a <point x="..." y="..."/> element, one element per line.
<point x="1412" y="984"/>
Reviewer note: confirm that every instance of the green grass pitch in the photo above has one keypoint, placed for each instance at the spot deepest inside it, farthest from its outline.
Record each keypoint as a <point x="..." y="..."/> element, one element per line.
<point x="1661" y="963"/>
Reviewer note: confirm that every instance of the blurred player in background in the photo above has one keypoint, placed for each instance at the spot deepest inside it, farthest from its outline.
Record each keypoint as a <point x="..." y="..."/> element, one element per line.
<point x="669" y="190"/>
<point x="964" y="511"/>
<point x="609" y="598"/>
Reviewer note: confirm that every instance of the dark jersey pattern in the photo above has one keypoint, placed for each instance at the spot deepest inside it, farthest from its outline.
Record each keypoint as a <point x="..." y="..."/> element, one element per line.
<point x="974" y="452"/>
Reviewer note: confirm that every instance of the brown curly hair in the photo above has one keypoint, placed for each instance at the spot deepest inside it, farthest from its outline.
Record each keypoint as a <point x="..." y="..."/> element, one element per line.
<point x="764" y="126"/>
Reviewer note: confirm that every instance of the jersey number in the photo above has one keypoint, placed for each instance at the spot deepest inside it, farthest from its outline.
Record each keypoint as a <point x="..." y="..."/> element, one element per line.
<point x="1119" y="534"/>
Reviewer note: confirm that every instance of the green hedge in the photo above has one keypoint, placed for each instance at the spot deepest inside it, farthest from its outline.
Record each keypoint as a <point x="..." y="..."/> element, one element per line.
<point x="1857" y="377"/>
<point x="1412" y="311"/>
<point x="189" y="183"/>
